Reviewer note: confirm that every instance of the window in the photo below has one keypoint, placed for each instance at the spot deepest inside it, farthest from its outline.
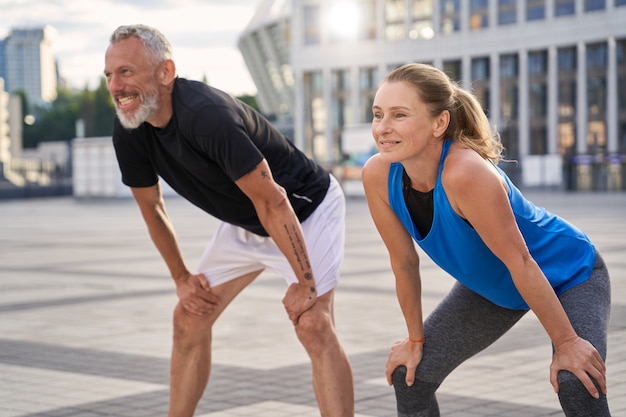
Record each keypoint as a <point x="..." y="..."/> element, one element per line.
<point x="422" y="19"/>
<point x="507" y="12"/>
<point x="368" y="22"/>
<point x="311" y="17"/>
<point x="538" y="101"/>
<point x="368" y="81"/>
<point x="535" y="10"/>
<point x="340" y="109"/>
<point x="566" y="59"/>
<point x="564" y="7"/>
<point x="593" y="5"/>
<point x="566" y="70"/>
<point x="480" y="81"/>
<point x="508" y="66"/>
<point x="620" y="48"/>
<point x="315" y="115"/>
<point x="450" y="16"/>
<point x="479" y="14"/>
<point x="597" y="61"/>
<point x="480" y="68"/>
<point x="509" y="99"/>
<point x="395" y="24"/>
<point x="453" y="70"/>
<point x="537" y="63"/>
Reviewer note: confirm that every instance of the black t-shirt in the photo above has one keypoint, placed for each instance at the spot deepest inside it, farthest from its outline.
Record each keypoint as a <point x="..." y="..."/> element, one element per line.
<point x="211" y="141"/>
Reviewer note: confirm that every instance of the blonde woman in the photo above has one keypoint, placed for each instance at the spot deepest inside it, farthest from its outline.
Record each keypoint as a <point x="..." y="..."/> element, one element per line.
<point x="435" y="181"/>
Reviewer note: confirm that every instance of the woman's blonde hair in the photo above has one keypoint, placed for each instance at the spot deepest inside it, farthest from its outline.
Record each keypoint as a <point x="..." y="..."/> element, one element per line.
<point x="468" y="123"/>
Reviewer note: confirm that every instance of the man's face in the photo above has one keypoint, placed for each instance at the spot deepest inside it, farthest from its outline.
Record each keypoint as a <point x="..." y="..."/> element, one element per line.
<point x="131" y="80"/>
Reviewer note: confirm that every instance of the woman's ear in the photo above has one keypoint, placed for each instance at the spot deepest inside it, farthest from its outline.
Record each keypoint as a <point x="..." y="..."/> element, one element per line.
<point x="441" y="123"/>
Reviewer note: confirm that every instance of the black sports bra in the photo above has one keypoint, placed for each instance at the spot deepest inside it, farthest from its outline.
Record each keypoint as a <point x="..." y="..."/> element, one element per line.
<point x="420" y="205"/>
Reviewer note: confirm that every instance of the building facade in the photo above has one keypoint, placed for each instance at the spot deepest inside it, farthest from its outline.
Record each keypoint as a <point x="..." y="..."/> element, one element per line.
<point x="27" y="63"/>
<point x="550" y="74"/>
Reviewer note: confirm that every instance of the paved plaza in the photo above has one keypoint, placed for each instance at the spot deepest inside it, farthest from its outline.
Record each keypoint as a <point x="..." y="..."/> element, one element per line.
<point x="86" y="303"/>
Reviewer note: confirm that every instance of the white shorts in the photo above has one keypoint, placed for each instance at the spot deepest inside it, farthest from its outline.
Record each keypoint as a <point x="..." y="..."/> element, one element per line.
<point x="234" y="251"/>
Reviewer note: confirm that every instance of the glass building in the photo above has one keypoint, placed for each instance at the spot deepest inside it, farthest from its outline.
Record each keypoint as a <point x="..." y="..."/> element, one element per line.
<point x="550" y="74"/>
<point x="27" y="63"/>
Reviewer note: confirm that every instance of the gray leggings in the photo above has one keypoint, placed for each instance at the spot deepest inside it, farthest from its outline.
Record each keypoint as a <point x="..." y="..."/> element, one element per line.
<point x="465" y="323"/>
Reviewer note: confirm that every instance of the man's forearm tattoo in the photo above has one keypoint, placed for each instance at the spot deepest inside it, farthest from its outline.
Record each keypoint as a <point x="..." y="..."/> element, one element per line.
<point x="297" y="245"/>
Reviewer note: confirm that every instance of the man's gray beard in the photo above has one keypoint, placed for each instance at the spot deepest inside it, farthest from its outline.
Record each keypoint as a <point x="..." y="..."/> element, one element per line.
<point x="147" y="109"/>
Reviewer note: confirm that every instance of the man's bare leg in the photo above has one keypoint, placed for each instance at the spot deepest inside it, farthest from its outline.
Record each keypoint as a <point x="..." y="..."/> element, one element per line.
<point x="191" y="352"/>
<point x="332" y="375"/>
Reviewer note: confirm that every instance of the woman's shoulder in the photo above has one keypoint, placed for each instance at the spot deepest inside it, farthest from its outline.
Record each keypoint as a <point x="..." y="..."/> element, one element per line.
<point x="375" y="172"/>
<point x="375" y="166"/>
<point x="461" y="158"/>
<point x="464" y="167"/>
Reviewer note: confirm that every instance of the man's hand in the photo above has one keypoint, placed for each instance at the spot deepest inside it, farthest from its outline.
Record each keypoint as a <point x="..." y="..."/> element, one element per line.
<point x="298" y="299"/>
<point x="195" y="296"/>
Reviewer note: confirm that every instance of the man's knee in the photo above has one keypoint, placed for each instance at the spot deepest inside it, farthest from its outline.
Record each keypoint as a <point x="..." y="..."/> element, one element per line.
<point x="189" y="330"/>
<point x="315" y="328"/>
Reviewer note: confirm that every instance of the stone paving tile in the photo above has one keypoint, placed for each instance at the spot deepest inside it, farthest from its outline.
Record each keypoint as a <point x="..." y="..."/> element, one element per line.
<point x="85" y="311"/>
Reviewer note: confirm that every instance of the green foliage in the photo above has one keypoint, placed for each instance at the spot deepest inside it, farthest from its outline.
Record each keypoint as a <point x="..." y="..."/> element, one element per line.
<point x="54" y="123"/>
<point x="57" y="122"/>
<point x="104" y="112"/>
<point x="250" y="101"/>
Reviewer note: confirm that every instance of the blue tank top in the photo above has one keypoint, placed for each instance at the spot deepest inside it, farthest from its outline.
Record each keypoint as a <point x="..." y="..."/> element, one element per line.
<point x="563" y="252"/>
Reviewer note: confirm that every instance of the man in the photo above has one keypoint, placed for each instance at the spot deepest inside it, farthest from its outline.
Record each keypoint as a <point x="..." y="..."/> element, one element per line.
<point x="280" y="211"/>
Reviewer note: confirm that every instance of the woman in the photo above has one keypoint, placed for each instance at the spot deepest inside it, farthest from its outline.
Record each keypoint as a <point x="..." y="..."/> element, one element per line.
<point x="435" y="180"/>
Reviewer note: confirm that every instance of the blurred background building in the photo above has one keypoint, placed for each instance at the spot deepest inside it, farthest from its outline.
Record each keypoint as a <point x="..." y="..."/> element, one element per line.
<point x="550" y="74"/>
<point x="27" y="63"/>
<point x="28" y="79"/>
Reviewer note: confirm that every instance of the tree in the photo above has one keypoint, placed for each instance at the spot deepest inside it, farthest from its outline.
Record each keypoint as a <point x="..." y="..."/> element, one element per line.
<point x="250" y="101"/>
<point x="103" y="111"/>
<point x="56" y="123"/>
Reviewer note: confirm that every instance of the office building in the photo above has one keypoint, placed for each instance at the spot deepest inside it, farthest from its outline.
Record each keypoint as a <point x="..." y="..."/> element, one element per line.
<point x="27" y="64"/>
<point x="550" y="74"/>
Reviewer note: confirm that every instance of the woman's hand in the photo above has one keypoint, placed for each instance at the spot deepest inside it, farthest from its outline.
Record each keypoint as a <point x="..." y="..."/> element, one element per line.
<point x="579" y="357"/>
<point x="404" y="352"/>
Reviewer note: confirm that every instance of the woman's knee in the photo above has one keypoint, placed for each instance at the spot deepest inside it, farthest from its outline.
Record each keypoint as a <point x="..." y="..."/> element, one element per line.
<point x="416" y="400"/>
<point x="576" y="400"/>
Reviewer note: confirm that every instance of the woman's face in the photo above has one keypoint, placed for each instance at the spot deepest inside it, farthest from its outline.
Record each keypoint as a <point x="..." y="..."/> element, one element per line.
<point x="402" y="125"/>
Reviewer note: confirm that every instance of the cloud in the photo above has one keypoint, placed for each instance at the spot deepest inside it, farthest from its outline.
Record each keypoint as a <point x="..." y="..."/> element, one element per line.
<point x="203" y="34"/>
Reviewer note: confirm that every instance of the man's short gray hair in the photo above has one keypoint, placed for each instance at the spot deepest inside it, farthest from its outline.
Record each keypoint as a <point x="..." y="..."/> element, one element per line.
<point x="155" y="42"/>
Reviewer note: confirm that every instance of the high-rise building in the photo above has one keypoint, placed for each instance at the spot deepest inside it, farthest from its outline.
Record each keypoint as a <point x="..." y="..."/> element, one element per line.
<point x="5" y="139"/>
<point x="550" y="74"/>
<point x="11" y="122"/>
<point x="27" y="63"/>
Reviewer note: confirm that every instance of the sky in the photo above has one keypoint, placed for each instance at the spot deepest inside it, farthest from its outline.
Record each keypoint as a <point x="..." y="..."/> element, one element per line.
<point x="203" y="34"/>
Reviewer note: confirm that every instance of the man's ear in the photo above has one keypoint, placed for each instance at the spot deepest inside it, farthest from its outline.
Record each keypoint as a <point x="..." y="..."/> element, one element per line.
<point x="167" y="72"/>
